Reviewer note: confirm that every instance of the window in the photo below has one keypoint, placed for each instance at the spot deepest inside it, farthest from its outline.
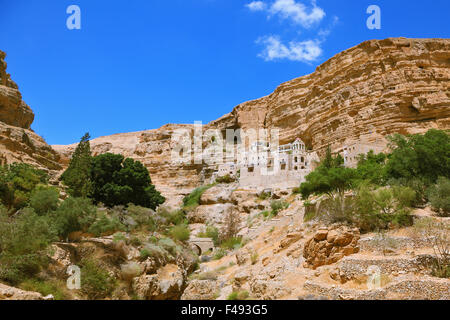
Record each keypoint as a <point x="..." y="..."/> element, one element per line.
<point x="283" y="166"/>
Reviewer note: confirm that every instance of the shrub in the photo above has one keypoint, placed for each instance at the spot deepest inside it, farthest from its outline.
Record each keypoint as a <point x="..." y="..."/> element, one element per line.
<point x="264" y="195"/>
<point x="74" y="214"/>
<point x="266" y="214"/>
<point x="96" y="282"/>
<point x="439" y="196"/>
<point x="153" y="250"/>
<point x="173" y="217"/>
<point x="44" y="199"/>
<point x="420" y="187"/>
<point x="23" y="243"/>
<point x="310" y="211"/>
<point x="130" y="270"/>
<point x="404" y="195"/>
<point x="336" y="208"/>
<point x="232" y="243"/>
<point x="119" y="236"/>
<point x="106" y="226"/>
<point x="238" y="295"/>
<point x="254" y="257"/>
<point x="438" y="235"/>
<point x="369" y="210"/>
<point x="135" y="241"/>
<point x="191" y="201"/>
<point x="17" y="182"/>
<point x="219" y="254"/>
<point x="277" y="206"/>
<point x="46" y="287"/>
<point x="375" y="210"/>
<point x="180" y="232"/>
<point x="169" y="245"/>
<point x="143" y="217"/>
<point x="231" y="224"/>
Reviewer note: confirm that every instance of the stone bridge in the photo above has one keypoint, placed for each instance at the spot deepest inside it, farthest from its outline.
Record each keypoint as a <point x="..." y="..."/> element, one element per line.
<point x="201" y="245"/>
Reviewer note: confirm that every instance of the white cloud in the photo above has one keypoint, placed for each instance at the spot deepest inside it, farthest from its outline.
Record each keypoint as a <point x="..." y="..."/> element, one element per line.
<point x="297" y="12"/>
<point x="292" y="10"/>
<point x="305" y="51"/>
<point x="256" y="6"/>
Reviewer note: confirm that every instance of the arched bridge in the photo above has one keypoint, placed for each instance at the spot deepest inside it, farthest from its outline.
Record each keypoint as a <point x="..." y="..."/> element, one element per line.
<point x="201" y="245"/>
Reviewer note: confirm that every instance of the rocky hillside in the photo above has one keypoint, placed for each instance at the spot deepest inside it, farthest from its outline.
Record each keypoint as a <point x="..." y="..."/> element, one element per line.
<point x="18" y="143"/>
<point x="375" y="89"/>
<point x="287" y="258"/>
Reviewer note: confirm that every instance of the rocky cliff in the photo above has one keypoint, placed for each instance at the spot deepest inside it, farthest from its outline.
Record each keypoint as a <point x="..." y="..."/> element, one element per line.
<point x="377" y="88"/>
<point x="18" y="143"/>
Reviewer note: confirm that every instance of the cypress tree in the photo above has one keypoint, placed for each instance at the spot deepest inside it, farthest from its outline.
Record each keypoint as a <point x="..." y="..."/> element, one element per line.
<point x="77" y="177"/>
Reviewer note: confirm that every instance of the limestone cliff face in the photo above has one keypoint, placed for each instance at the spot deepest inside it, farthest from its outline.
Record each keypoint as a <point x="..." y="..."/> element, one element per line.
<point x="18" y="143"/>
<point x="375" y="89"/>
<point x="13" y="110"/>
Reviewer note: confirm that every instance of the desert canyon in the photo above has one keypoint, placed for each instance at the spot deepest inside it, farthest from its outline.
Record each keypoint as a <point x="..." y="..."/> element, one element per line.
<point x="370" y="91"/>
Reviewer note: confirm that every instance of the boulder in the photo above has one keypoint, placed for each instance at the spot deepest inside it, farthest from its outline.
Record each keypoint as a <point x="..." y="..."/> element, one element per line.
<point x="328" y="246"/>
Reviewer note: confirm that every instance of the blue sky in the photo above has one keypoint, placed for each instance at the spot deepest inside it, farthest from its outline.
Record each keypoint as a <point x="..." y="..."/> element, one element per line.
<point x="140" y="64"/>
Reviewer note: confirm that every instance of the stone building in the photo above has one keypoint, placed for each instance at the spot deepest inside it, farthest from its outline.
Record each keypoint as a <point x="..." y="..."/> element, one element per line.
<point x="352" y="152"/>
<point x="263" y="166"/>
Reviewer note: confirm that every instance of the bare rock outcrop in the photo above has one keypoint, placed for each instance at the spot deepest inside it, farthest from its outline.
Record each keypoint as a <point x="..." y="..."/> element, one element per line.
<point x="167" y="284"/>
<point x="18" y="143"/>
<point x="11" y="293"/>
<point x="13" y="110"/>
<point x="201" y="290"/>
<point x="328" y="246"/>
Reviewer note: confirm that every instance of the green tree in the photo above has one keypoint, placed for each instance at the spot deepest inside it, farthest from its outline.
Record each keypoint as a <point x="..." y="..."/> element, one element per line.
<point x="77" y="176"/>
<point x="117" y="181"/>
<point x="330" y="177"/>
<point x="420" y="156"/>
<point x="370" y="168"/>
